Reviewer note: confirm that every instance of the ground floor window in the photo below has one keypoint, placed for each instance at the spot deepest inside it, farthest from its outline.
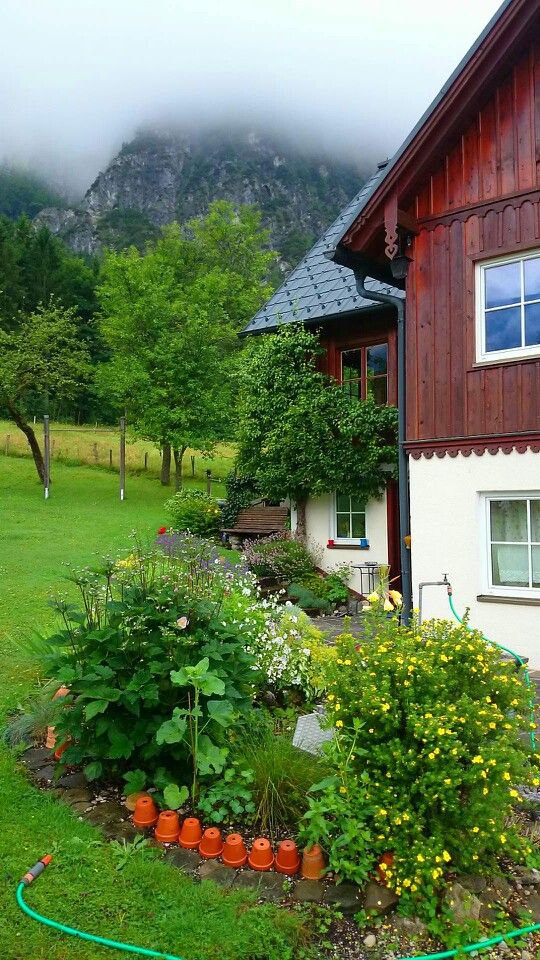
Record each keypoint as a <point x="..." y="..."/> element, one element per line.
<point x="513" y="525"/>
<point x="350" y="517"/>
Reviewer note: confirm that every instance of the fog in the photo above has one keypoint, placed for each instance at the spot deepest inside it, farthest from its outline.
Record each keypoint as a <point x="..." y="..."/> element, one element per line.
<point x="347" y="77"/>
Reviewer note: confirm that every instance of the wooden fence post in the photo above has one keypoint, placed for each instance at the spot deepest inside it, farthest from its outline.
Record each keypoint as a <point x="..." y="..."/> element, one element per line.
<point x="110" y="458"/>
<point x="192" y="466"/>
<point x="209" y="482"/>
<point x="47" y="456"/>
<point x="122" y="458"/>
<point x="146" y="460"/>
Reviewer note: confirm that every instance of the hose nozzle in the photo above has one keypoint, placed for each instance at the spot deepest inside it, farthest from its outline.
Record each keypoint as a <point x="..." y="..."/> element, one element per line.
<point x="36" y="870"/>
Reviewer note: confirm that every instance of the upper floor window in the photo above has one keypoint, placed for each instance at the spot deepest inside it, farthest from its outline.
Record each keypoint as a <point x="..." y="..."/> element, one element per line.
<point x="508" y="307"/>
<point x="364" y="372"/>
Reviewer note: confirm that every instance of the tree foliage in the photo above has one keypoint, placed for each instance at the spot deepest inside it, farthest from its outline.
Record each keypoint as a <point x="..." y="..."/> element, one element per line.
<point x="170" y="317"/>
<point x="301" y="435"/>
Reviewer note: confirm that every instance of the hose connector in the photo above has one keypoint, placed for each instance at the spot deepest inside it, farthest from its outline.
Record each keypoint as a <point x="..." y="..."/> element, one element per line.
<point x="36" y="870"/>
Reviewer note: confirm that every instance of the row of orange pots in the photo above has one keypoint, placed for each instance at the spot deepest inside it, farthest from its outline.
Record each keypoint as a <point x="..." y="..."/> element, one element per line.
<point x="232" y="851"/>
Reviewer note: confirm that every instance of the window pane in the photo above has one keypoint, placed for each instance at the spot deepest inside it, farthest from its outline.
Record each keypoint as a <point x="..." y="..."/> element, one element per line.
<point x="352" y="387"/>
<point x="536" y="566"/>
<point x="343" y="525"/>
<point x="531" y="270"/>
<point x="503" y="284"/>
<point x="377" y="359"/>
<point x="535" y="520"/>
<point x="357" y="505"/>
<point x="351" y="361"/>
<point x="532" y="323"/>
<point x="510" y="565"/>
<point x="503" y="329"/>
<point x="509" y="520"/>
<point x="358" y="524"/>
<point x="343" y="503"/>
<point x="378" y="389"/>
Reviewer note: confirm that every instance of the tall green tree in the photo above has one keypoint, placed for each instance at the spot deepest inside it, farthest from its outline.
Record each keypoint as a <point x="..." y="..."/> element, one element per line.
<point x="43" y="356"/>
<point x="301" y="435"/>
<point x="170" y="317"/>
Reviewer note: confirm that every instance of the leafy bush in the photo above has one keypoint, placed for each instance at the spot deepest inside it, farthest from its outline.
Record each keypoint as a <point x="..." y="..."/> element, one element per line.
<point x="306" y="597"/>
<point x="425" y="753"/>
<point x="281" y="777"/>
<point x="229" y="798"/>
<point x="279" y="557"/>
<point x="157" y="671"/>
<point x="195" y="511"/>
<point x="240" y="493"/>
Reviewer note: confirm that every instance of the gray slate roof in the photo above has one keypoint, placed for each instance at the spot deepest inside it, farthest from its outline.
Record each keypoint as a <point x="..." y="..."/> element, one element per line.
<point x="317" y="288"/>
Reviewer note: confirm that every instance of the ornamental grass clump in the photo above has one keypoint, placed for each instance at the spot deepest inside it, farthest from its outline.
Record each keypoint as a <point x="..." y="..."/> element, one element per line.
<point x="425" y="756"/>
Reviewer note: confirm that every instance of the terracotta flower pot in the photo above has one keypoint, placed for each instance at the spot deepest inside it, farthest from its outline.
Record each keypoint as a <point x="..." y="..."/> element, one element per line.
<point x="60" y="750"/>
<point x="261" y="856"/>
<point x="313" y="863"/>
<point x="234" y="851"/>
<point x="168" y="827"/>
<point x="190" y="834"/>
<point x="131" y="800"/>
<point x="211" y="845"/>
<point x="387" y="859"/>
<point x="50" y="741"/>
<point x="287" y="858"/>
<point x="145" y="814"/>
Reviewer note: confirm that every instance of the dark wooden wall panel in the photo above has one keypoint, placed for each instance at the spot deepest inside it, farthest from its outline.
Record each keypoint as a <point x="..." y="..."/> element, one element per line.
<point x="482" y="200"/>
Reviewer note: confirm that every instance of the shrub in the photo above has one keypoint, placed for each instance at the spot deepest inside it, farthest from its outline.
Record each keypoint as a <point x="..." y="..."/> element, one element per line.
<point x="240" y="493"/>
<point x="308" y="597"/>
<point x="288" y="650"/>
<point x="279" y="557"/>
<point x="281" y="777"/>
<point x="425" y="754"/>
<point x="195" y="511"/>
<point x="149" y="658"/>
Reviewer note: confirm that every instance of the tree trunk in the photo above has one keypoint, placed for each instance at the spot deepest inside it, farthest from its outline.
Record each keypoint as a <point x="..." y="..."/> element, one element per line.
<point x="30" y="435"/>
<point x="301" y="529"/>
<point x="178" y="457"/>
<point x="166" y="464"/>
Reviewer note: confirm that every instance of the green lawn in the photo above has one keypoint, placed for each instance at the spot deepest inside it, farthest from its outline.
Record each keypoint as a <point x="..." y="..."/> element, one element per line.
<point x="148" y="903"/>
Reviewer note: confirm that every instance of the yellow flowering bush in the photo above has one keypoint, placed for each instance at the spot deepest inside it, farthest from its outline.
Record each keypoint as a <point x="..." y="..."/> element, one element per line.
<point x="427" y="747"/>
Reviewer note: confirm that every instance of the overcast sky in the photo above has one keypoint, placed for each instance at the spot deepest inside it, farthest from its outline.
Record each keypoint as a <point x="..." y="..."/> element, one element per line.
<point x="78" y="77"/>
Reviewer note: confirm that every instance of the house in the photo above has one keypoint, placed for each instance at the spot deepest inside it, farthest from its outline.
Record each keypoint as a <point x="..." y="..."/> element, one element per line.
<point x="359" y="335"/>
<point x="454" y="219"/>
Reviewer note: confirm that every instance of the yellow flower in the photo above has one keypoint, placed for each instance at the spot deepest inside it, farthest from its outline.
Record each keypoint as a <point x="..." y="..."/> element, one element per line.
<point x="420" y="858"/>
<point x="396" y="597"/>
<point x="475" y="829"/>
<point x="446" y="856"/>
<point x="514" y="793"/>
<point x="502" y="838"/>
<point x="431" y="756"/>
<point x="413" y="888"/>
<point x="339" y="723"/>
<point x="506" y="775"/>
<point x="385" y="707"/>
<point x="337" y="706"/>
<point x="388" y="606"/>
<point x="447" y="781"/>
<point x="343" y="789"/>
<point x="406" y="882"/>
<point x="536" y="782"/>
<point x="373" y="597"/>
<point x="478" y="759"/>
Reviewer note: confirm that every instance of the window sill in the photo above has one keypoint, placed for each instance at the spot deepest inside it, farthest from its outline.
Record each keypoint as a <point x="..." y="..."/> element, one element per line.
<point x="520" y="601"/>
<point x="345" y="546"/>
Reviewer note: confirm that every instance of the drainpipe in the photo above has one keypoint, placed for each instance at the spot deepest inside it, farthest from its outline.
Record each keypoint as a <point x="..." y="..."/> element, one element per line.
<point x="403" y="466"/>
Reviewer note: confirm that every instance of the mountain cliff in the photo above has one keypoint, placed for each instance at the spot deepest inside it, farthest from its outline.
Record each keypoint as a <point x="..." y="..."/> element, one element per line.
<point x="158" y="178"/>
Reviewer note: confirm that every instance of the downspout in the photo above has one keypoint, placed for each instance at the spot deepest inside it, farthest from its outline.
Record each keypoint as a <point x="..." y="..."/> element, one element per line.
<point x="403" y="467"/>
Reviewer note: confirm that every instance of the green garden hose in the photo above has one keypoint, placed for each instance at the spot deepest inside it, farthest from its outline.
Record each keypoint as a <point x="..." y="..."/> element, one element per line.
<point x="519" y="660"/>
<point x="38" y="869"/>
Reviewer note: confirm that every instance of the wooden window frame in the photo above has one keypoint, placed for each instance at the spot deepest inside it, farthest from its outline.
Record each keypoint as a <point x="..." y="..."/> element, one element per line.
<point x="363" y="378"/>
<point x="523" y="352"/>
<point x="497" y="590"/>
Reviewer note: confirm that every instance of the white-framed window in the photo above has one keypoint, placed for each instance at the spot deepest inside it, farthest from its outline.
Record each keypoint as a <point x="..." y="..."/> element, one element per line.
<point x="512" y="547"/>
<point x="508" y="307"/>
<point x="349" y="518"/>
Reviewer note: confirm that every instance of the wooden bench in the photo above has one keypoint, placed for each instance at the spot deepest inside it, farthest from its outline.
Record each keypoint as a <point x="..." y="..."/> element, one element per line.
<point x="257" y="521"/>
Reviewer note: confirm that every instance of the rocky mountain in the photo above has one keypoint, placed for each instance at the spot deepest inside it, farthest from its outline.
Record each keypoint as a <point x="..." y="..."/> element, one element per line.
<point x="158" y="178"/>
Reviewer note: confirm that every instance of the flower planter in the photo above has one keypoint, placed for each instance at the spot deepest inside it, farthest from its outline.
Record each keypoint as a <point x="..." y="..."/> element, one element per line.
<point x="287" y="858"/>
<point x="168" y="827"/>
<point x="190" y="834"/>
<point x="234" y="851"/>
<point x="145" y="814"/>
<point x="211" y="845"/>
<point x="313" y="863"/>
<point x="261" y="856"/>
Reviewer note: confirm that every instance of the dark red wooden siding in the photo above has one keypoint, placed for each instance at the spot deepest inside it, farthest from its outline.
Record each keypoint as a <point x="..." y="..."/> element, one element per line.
<point x="481" y="200"/>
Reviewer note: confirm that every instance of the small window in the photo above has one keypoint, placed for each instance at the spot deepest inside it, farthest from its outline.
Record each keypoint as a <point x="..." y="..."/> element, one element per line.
<point x="514" y="544"/>
<point x="364" y="372"/>
<point x="508" y="308"/>
<point x="350" y="517"/>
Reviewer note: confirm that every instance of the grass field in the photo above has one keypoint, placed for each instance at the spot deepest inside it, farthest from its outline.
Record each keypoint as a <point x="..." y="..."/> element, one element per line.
<point x="99" y="447"/>
<point x="148" y="903"/>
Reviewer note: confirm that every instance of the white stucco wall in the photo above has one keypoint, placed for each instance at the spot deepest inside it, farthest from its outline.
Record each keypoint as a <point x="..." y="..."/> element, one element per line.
<point x="319" y="523"/>
<point x="447" y="530"/>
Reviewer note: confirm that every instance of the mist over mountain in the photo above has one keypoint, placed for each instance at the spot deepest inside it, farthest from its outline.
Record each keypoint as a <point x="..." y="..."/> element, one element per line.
<point x="160" y="177"/>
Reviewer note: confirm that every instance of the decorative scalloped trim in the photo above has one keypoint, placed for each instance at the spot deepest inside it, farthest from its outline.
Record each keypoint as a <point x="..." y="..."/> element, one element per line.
<point x="466" y="448"/>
